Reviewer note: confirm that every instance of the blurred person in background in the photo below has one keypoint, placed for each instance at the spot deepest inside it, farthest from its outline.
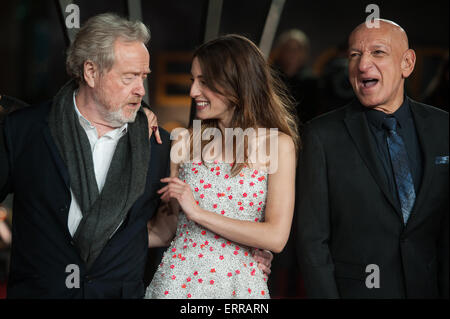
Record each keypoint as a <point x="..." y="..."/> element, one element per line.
<point x="335" y="89"/>
<point x="290" y="57"/>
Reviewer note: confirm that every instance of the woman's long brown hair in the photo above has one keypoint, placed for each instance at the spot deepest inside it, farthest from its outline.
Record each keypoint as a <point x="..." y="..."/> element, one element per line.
<point x="235" y="68"/>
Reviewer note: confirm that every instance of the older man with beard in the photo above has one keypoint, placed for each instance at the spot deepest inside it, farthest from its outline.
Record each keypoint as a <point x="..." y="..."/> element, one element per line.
<point x="84" y="172"/>
<point x="373" y="194"/>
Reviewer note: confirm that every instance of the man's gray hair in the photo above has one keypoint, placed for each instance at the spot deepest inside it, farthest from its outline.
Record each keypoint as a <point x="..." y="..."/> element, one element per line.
<point x="95" y="42"/>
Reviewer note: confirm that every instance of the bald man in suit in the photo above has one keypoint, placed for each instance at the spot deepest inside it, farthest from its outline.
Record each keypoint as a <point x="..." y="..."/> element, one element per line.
<point x="373" y="183"/>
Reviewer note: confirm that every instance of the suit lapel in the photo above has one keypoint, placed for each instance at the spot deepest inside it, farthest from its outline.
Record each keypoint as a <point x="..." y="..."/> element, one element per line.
<point x="426" y="139"/>
<point x="359" y="130"/>
<point x="62" y="169"/>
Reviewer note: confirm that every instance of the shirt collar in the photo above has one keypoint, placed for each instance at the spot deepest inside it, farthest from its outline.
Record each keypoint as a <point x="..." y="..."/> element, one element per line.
<point x="87" y="125"/>
<point x="403" y="114"/>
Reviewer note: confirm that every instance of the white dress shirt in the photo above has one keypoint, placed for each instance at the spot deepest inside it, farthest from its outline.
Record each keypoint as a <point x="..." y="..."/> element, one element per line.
<point x="103" y="149"/>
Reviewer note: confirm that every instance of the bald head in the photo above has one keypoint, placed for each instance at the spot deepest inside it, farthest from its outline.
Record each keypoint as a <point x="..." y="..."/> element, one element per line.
<point x="379" y="62"/>
<point x="386" y="27"/>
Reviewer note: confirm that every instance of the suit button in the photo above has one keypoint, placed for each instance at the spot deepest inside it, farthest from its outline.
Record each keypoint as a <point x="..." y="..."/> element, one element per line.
<point x="403" y="240"/>
<point x="63" y="209"/>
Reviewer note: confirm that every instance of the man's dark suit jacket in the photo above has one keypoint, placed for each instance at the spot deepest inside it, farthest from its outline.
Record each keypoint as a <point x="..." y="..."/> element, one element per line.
<point x="42" y="246"/>
<point x="347" y="219"/>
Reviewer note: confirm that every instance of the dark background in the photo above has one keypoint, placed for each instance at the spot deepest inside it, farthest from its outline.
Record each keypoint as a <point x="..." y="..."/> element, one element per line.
<point x="32" y="49"/>
<point x="32" y="52"/>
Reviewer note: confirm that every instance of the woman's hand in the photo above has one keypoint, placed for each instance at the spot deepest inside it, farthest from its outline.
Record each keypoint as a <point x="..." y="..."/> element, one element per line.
<point x="182" y="193"/>
<point x="152" y="125"/>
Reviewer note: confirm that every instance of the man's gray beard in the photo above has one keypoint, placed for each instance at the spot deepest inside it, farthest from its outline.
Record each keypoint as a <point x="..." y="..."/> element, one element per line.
<point x="116" y="118"/>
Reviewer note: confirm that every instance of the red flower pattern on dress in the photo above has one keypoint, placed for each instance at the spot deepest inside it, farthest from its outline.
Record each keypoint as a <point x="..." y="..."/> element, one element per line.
<point x="218" y="193"/>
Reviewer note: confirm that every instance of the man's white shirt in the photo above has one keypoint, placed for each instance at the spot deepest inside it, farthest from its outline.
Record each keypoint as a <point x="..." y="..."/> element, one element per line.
<point x="103" y="149"/>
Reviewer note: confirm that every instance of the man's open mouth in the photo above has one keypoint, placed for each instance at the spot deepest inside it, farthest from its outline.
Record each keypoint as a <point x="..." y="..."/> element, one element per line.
<point x="368" y="83"/>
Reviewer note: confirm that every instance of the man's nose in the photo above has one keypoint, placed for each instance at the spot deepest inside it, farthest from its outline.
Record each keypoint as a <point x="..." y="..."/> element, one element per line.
<point x="140" y="88"/>
<point x="365" y="63"/>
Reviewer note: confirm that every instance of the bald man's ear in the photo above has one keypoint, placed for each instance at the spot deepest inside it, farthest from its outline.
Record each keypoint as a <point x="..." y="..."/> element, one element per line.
<point x="408" y="63"/>
<point x="90" y="72"/>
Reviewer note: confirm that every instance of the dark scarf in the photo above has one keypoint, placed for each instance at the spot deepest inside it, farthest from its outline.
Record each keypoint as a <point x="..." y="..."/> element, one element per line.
<point x="102" y="212"/>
